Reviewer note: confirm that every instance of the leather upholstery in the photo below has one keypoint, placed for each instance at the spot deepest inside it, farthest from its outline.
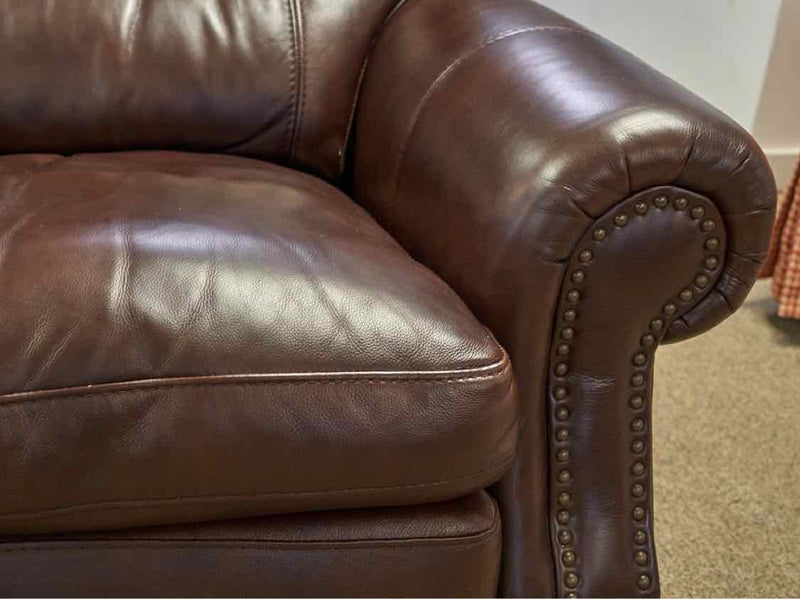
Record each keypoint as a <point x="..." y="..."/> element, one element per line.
<point x="189" y="337"/>
<point x="273" y="79"/>
<point x="617" y="308"/>
<point x="438" y="550"/>
<point x="490" y="136"/>
<point x="192" y="337"/>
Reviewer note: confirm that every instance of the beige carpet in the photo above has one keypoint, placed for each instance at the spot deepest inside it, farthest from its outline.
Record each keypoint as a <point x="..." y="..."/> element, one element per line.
<point x="727" y="457"/>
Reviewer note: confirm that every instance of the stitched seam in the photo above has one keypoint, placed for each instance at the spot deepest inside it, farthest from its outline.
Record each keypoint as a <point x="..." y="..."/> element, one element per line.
<point x="66" y="542"/>
<point x="445" y="74"/>
<point x="348" y="132"/>
<point x="237" y="384"/>
<point x="124" y="504"/>
<point x="301" y="76"/>
<point x="289" y="135"/>
<point x="388" y="543"/>
<point x="360" y="84"/>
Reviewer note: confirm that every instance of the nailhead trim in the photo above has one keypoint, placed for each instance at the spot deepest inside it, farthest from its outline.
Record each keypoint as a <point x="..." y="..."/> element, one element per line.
<point x="641" y="361"/>
<point x="638" y="425"/>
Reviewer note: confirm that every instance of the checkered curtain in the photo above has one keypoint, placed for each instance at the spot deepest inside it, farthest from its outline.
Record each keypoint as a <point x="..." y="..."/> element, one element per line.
<point x="783" y="260"/>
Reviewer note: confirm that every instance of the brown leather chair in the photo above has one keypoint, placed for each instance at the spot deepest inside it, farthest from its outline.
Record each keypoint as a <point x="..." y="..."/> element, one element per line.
<point x="266" y="265"/>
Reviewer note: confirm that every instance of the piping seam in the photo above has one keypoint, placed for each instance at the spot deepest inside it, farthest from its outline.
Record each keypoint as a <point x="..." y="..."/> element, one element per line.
<point x="269" y="545"/>
<point x="467" y="376"/>
<point x="66" y="542"/>
<point x="359" y="85"/>
<point x="300" y="62"/>
<point x="451" y="68"/>
<point x="290" y="126"/>
<point x="123" y="504"/>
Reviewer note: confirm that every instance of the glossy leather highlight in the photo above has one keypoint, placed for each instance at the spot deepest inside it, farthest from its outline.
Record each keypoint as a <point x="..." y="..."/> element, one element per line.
<point x="189" y="336"/>
<point x="194" y="337"/>
<point x="490" y="136"/>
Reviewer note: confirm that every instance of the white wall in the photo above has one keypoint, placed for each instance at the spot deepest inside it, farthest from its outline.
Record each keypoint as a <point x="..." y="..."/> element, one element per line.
<point x="777" y="125"/>
<point x="719" y="49"/>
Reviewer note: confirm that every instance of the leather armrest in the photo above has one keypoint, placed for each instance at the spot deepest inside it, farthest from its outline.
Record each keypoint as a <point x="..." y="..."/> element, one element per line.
<point x="508" y="148"/>
<point x="495" y="127"/>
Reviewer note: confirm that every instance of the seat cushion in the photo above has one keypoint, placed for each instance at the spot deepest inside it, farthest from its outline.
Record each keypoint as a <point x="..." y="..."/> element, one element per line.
<point x="192" y="337"/>
<point x="448" y="549"/>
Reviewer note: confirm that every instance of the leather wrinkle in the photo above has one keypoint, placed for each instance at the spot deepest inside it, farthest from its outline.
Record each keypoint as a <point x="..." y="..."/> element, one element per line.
<point x="746" y="258"/>
<point x="731" y="274"/>
<point x="198" y="305"/>
<point x="725" y="299"/>
<point x="194" y="314"/>
<point x="543" y="209"/>
<point x="753" y="212"/>
<point x="82" y="318"/>
<point x="325" y="300"/>
<point x="14" y="195"/>
<point x="690" y="153"/>
<point x="733" y="173"/>
<point x="137" y="442"/>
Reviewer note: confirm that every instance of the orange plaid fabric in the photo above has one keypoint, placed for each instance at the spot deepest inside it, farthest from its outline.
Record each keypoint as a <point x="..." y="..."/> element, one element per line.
<point x="783" y="260"/>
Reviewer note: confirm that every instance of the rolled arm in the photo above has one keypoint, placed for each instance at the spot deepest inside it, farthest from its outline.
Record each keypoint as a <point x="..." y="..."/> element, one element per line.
<point x="587" y="208"/>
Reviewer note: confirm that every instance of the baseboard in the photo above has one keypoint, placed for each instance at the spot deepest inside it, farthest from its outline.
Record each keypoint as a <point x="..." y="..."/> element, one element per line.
<point x="783" y="162"/>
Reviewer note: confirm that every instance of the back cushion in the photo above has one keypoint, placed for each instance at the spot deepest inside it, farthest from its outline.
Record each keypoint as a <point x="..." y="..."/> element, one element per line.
<point x="271" y="79"/>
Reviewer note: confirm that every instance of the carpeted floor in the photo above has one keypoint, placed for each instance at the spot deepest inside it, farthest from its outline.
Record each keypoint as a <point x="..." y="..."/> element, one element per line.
<point x="726" y="418"/>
